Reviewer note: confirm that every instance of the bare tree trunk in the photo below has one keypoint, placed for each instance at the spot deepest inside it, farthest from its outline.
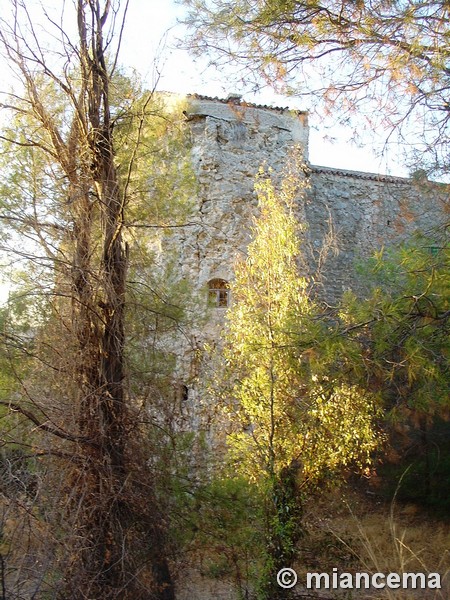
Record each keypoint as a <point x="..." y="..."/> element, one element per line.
<point x="117" y="547"/>
<point x="105" y="419"/>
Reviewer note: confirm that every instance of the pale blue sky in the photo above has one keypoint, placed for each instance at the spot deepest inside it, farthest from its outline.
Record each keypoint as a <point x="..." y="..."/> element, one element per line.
<point x="149" y="46"/>
<point x="151" y="31"/>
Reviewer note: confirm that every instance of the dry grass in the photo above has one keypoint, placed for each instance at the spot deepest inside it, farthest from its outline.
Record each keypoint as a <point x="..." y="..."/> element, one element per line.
<point x="358" y="535"/>
<point x="354" y="533"/>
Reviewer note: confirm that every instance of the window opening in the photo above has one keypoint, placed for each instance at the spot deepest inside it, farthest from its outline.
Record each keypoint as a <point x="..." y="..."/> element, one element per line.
<point x="218" y="293"/>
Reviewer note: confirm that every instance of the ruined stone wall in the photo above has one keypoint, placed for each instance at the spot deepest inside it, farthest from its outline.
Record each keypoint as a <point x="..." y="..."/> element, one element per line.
<point x="230" y="141"/>
<point x="366" y="212"/>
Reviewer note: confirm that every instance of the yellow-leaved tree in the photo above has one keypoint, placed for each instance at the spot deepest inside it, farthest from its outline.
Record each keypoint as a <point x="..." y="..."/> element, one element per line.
<point x="295" y="418"/>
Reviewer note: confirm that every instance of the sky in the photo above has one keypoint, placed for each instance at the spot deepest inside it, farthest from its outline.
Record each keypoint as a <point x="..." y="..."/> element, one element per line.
<point x="150" y="47"/>
<point x="152" y="31"/>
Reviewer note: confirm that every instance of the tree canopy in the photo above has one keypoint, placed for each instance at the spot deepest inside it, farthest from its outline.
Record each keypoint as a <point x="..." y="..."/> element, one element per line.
<point x="389" y="58"/>
<point x="79" y="153"/>
<point x="280" y="354"/>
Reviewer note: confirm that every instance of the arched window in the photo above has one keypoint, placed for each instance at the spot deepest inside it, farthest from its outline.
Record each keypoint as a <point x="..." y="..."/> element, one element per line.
<point x="218" y="293"/>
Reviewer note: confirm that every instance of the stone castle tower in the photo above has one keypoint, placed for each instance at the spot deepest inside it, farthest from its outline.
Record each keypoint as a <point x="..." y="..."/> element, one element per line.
<point x="232" y="139"/>
<point x="361" y="212"/>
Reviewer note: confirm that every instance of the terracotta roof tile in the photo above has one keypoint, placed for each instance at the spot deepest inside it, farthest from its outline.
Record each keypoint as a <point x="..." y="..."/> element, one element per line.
<point x="359" y="175"/>
<point x="235" y="100"/>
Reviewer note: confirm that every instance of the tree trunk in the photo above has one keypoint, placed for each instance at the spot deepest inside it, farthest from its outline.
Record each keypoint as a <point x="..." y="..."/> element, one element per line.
<point x="113" y="540"/>
<point x="109" y="501"/>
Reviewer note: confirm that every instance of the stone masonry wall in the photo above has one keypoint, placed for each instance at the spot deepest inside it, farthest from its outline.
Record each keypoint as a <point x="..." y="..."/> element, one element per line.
<point x="229" y="144"/>
<point x="367" y="212"/>
<point x="230" y="141"/>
